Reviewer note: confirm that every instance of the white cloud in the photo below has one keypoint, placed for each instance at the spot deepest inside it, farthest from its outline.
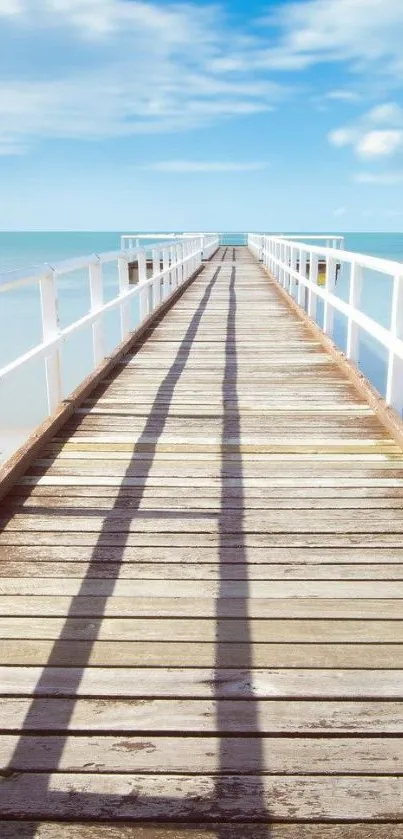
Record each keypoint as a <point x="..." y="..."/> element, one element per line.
<point x="187" y="166"/>
<point x="343" y="95"/>
<point x="150" y="66"/>
<point x="379" y="143"/>
<point x="367" y="139"/>
<point x="379" y="178"/>
<point x="359" y="31"/>
<point x="342" y="137"/>
<point x="10" y="7"/>
<point x="389" y="113"/>
<point x="339" y="212"/>
<point x="147" y="69"/>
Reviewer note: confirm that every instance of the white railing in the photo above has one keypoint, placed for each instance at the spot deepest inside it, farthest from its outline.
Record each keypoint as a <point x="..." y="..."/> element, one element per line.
<point x="172" y="265"/>
<point x="133" y="240"/>
<point x="329" y="240"/>
<point x="295" y="266"/>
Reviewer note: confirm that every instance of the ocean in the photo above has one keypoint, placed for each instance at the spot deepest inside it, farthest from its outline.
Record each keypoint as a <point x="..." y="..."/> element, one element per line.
<point x="23" y="396"/>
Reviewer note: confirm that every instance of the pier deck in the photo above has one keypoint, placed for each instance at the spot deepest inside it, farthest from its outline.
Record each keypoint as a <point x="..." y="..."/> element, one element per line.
<point x="201" y="581"/>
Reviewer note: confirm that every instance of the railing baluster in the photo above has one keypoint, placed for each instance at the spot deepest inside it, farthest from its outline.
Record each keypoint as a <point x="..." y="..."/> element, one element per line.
<point x="96" y="297"/>
<point x="156" y="285"/>
<point x="165" y="259"/>
<point x="143" y="290"/>
<point x="124" y="287"/>
<point x="330" y="284"/>
<point x="352" y="349"/>
<point x="50" y="330"/>
<point x="293" y="266"/>
<point x="313" y="276"/>
<point x="302" y="272"/>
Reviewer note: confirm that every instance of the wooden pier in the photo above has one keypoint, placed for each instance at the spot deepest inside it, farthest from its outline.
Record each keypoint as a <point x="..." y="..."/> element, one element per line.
<point x="201" y="614"/>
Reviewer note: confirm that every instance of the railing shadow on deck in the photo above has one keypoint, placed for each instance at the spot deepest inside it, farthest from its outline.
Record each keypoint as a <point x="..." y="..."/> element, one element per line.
<point x="193" y="811"/>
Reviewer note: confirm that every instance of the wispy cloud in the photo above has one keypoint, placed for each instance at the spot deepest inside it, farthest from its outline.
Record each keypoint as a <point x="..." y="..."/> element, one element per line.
<point x="205" y="166"/>
<point x="377" y="134"/>
<point x="356" y="31"/>
<point x="379" y="178"/>
<point x="342" y="95"/>
<point x="144" y="68"/>
<point x="339" y="212"/>
<point x="301" y="34"/>
<point x="147" y="67"/>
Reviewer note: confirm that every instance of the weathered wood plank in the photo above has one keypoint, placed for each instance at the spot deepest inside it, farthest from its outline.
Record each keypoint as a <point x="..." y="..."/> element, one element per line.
<point x="199" y="589"/>
<point x="163" y="555"/>
<point x="195" y="607"/>
<point x="202" y="682"/>
<point x="206" y="654"/>
<point x="180" y="797"/>
<point x="272" y="521"/>
<point x="11" y="571"/>
<point x="196" y="716"/>
<point x="59" y="830"/>
<point x="203" y="755"/>
<point x="193" y="629"/>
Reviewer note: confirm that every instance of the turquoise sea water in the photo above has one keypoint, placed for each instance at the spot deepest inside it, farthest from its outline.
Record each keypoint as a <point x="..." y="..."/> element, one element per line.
<point x="22" y="398"/>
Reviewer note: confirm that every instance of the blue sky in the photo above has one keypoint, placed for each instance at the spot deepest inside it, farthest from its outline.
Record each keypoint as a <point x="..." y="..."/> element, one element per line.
<point x="119" y="115"/>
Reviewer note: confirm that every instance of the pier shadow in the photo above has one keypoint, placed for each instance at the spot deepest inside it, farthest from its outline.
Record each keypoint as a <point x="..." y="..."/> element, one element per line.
<point x="233" y="494"/>
<point x="212" y="809"/>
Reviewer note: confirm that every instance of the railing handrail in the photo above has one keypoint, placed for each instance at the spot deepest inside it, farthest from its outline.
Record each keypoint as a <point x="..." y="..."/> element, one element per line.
<point x="286" y="260"/>
<point x="172" y="263"/>
<point x="374" y="263"/>
<point x="32" y="274"/>
<point x="292" y="236"/>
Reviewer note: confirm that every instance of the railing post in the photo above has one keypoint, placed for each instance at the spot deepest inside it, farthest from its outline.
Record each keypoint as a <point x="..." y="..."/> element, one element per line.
<point x="185" y="255"/>
<point x="124" y="287"/>
<point x="282" y="261"/>
<point x="271" y="256"/>
<point x="330" y="283"/>
<point x="97" y="299"/>
<point x="394" y="385"/>
<point x="302" y="272"/>
<point x="143" y="288"/>
<point x="155" y="257"/>
<point x="172" y="273"/>
<point x="156" y="284"/>
<point x="313" y="277"/>
<point x="50" y="330"/>
<point x="165" y="261"/>
<point x="293" y="267"/>
<point x="352" y="348"/>
<point x="179" y="265"/>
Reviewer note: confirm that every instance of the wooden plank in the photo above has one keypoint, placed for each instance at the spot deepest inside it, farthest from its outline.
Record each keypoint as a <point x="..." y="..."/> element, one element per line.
<point x="174" y="542"/>
<point x="273" y="521"/>
<point x="162" y="716"/>
<point x="242" y="562"/>
<point x="15" y="571"/>
<point x="206" y="654"/>
<point x="202" y="682"/>
<point x="198" y="589"/>
<point x="59" y="830"/>
<point x="338" y="630"/>
<point x="198" y="607"/>
<point x="155" y="797"/>
<point x="202" y="755"/>
<point x="211" y="494"/>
